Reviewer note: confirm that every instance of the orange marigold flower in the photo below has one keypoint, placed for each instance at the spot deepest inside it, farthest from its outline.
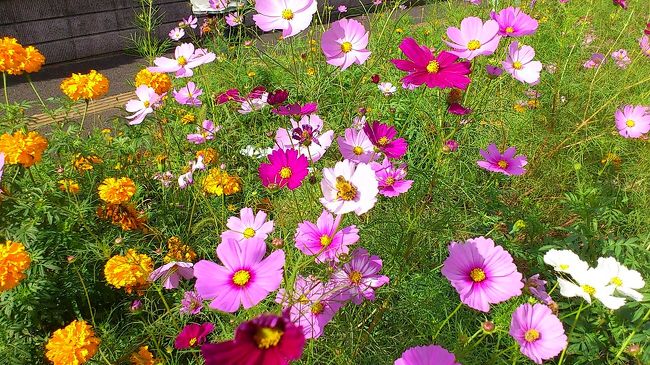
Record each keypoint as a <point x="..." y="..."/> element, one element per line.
<point x="143" y="357"/>
<point x="88" y="86"/>
<point x="128" y="271"/>
<point x="14" y="261"/>
<point x="12" y="55"/>
<point x="160" y="82"/>
<point x="116" y="191"/>
<point x="178" y="251"/>
<point x="82" y="164"/>
<point x="22" y="149"/>
<point x="34" y="60"/>
<point x="68" y="185"/>
<point x="219" y="182"/>
<point x="72" y="345"/>
<point x="123" y="215"/>
<point x="209" y="155"/>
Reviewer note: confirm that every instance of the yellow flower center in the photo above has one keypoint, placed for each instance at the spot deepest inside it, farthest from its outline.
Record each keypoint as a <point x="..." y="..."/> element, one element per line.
<point x="346" y="47"/>
<point x="564" y="267"/>
<point x="345" y="190"/>
<point x="325" y="240"/>
<point x="517" y="65"/>
<point x="285" y="173"/>
<point x="287" y="14"/>
<point x="383" y="141"/>
<point x="616" y="281"/>
<point x="589" y="289"/>
<point x="193" y="341"/>
<point x="181" y="61"/>
<point x="433" y="67"/>
<point x="503" y="164"/>
<point x="473" y="45"/>
<point x="390" y="181"/>
<point x="241" y="277"/>
<point x="531" y="335"/>
<point x="630" y="123"/>
<point x="355" y="277"/>
<point x="357" y="150"/>
<point x="249" y="232"/>
<point x="146" y="104"/>
<point x="510" y="30"/>
<point x="267" y="337"/>
<point x="477" y="275"/>
<point x="317" y="308"/>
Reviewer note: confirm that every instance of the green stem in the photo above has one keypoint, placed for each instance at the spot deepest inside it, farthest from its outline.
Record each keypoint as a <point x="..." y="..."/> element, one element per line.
<point x="90" y="309"/>
<point x="447" y="320"/>
<point x="83" y="117"/>
<point x="629" y="338"/>
<point x="573" y="326"/>
<point x="29" y="80"/>
<point x="4" y="87"/>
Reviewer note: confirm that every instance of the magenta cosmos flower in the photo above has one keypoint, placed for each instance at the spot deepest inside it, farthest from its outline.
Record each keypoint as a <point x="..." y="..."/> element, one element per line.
<point x="285" y="168"/>
<point x="482" y="273"/>
<point x="307" y="136"/>
<point x="189" y="95"/>
<point x="244" y="279"/>
<point x="633" y="121"/>
<point x="514" y="23"/>
<point x="186" y="58"/>
<point x="383" y="137"/>
<point x="359" y="277"/>
<point x="324" y="239"/>
<point x="296" y="110"/>
<point x="266" y="340"/>
<point x="520" y="64"/>
<point x="538" y="331"/>
<point x="193" y="335"/>
<point x="423" y="67"/>
<point x="348" y="187"/>
<point x="473" y="38"/>
<point x="621" y="3"/>
<point x="172" y="273"/>
<point x="506" y="163"/>
<point x="427" y="355"/>
<point x="147" y="100"/>
<point x="391" y="178"/>
<point x="345" y="43"/>
<point x="247" y="227"/>
<point x="292" y="17"/>
<point x="204" y="133"/>
<point x="228" y="96"/>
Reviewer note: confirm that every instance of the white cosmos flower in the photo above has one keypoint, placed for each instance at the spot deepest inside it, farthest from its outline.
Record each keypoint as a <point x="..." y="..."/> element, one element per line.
<point x="590" y="284"/>
<point x="565" y="261"/>
<point x="624" y="280"/>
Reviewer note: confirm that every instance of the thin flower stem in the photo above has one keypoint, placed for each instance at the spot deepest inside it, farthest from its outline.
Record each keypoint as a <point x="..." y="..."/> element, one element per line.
<point x="90" y="309"/>
<point x="573" y="326"/>
<point x="83" y="118"/>
<point x="629" y="338"/>
<point x="29" y="80"/>
<point x="447" y="320"/>
<point x="4" y="88"/>
<point x="295" y="199"/>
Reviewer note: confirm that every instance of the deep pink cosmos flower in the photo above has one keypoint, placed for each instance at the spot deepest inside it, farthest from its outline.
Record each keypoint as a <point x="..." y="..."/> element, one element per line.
<point x="452" y="145"/>
<point x="427" y="355"/>
<point x="513" y="22"/>
<point x="189" y="95"/>
<point x="147" y="101"/>
<point x="192" y="303"/>
<point x="458" y="109"/>
<point x="520" y="64"/>
<point x="296" y="110"/>
<point x="391" y="178"/>
<point x="348" y="187"/>
<point x="482" y="273"/>
<point x="193" y="335"/>
<point x="621" y="3"/>
<point x="245" y="279"/>
<point x="383" y="137"/>
<point x="324" y="239"/>
<point x="345" y="43"/>
<point x="172" y="273"/>
<point x="248" y="226"/>
<point x="359" y="277"/>
<point x="356" y="146"/>
<point x="266" y="340"/>
<point x="204" y="133"/>
<point x="278" y="97"/>
<point x="423" y="67"/>
<point x="292" y="17"/>
<point x="473" y="38"/>
<point x="633" y="121"/>
<point x="285" y="168"/>
<point x="506" y="163"/>
<point x="307" y="136"/>
<point x="229" y="95"/>
<point x="186" y="58"/>
<point x="538" y="331"/>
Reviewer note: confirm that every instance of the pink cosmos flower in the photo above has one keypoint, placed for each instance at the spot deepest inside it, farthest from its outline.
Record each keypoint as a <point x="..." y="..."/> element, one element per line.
<point x="345" y="43"/>
<point x="427" y="355"/>
<point x="621" y="3"/>
<point x="172" y="273"/>
<point x="621" y="58"/>
<point x="292" y="17"/>
<point x="229" y="95"/>
<point x="473" y="38"/>
<point x="147" y="100"/>
<point x="176" y="34"/>
<point x="296" y="110"/>
<point x="204" y="133"/>
<point x="452" y="145"/>
<point x="349" y="188"/>
<point x="186" y="58"/>
<point x="383" y="137"/>
<point x="248" y="227"/>
<point x="506" y="163"/>
<point x="307" y="136"/>
<point x="188" y="178"/>
<point x="387" y="88"/>
<point x="189" y="95"/>
<point x="356" y="146"/>
<point x="324" y="239"/>
<point x="423" y="67"/>
<point x="493" y="71"/>
<point x="244" y="279"/>
<point x="596" y="60"/>
<point x="193" y="335"/>
<point x="359" y="277"/>
<point x="192" y="303"/>
<point x="191" y="22"/>
<point x="538" y="331"/>
<point x="234" y="19"/>
<point x="254" y="102"/>
<point x="391" y="178"/>
<point x="644" y="43"/>
<point x="342" y="9"/>
<point x="633" y="121"/>
<point x="514" y="23"/>
<point x="458" y="109"/>
<point x="285" y="168"/>
<point x="218" y="5"/>
<point x="482" y="273"/>
<point x="265" y="340"/>
<point x="520" y="64"/>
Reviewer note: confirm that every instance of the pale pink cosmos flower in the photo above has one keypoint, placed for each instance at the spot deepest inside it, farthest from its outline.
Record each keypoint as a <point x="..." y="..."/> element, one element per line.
<point x="204" y="133"/>
<point x="342" y="9"/>
<point x="345" y="43"/>
<point x="359" y="277"/>
<point x="248" y="227"/>
<point x="427" y="355"/>
<point x="188" y="178"/>
<point x="176" y="34"/>
<point x="192" y="303"/>
<point x="324" y="239"/>
<point x="189" y="95"/>
<point x="254" y="102"/>
<point x="621" y="58"/>
<point x="387" y="88"/>
<point x="292" y="17"/>
<point x="234" y="19"/>
<point x="644" y="43"/>
<point x="473" y="38"/>
<point x="520" y="64"/>
<point x="186" y="57"/>
<point x="218" y="5"/>
<point x="348" y="187"/>
<point x="356" y="146"/>
<point x="633" y="121"/>
<point x="147" y="100"/>
<point x="191" y="22"/>
<point x="172" y="273"/>
<point x="307" y="136"/>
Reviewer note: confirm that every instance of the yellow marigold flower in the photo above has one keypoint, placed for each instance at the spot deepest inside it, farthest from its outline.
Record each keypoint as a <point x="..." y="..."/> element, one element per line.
<point x="12" y="55"/>
<point x="188" y="118"/>
<point x="69" y="186"/>
<point x="218" y="182"/>
<point x="72" y="345"/>
<point x="178" y="251"/>
<point x="128" y="271"/>
<point x="116" y="191"/>
<point x="209" y="154"/>
<point x="14" y="261"/>
<point x="143" y="357"/>
<point x="160" y="82"/>
<point x="22" y="149"/>
<point x="88" y="86"/>
<point x="34" y="60"/>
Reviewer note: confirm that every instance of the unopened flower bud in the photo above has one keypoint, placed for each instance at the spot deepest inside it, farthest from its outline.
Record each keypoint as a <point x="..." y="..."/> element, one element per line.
<point x="277" y="242"/>
<point x="488" y="326"/>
